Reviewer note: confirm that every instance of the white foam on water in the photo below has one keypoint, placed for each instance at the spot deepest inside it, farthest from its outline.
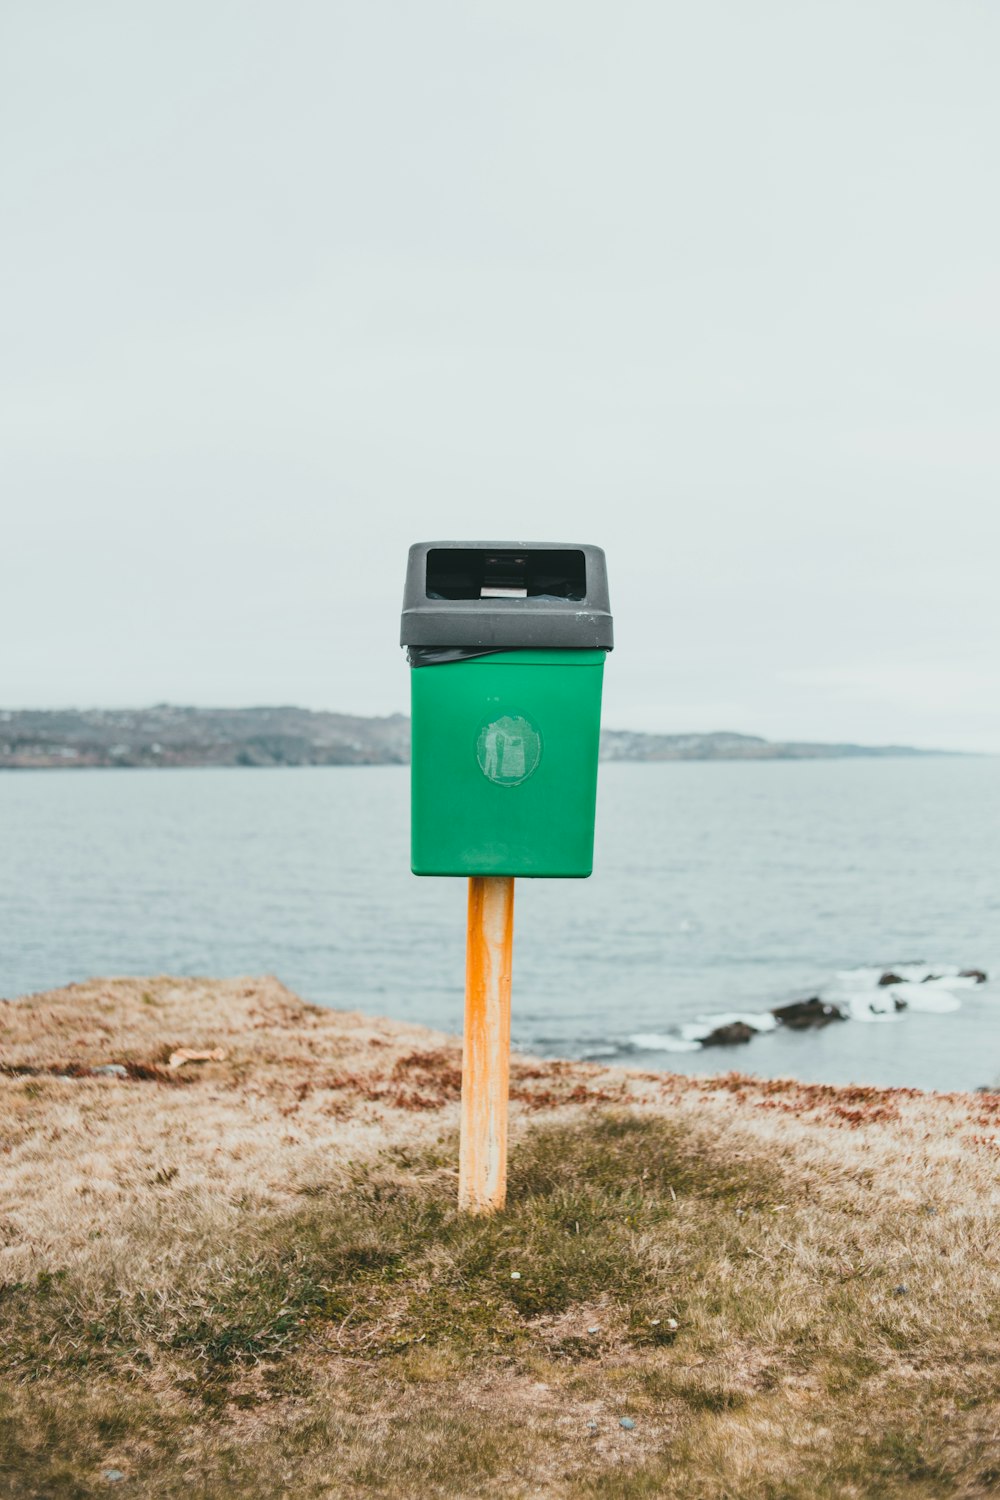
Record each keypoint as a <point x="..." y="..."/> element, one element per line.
<point x="867" y="977"/>
<point x="923" y="987"/>
<point x="927" y="997"/>
<point x="950" y="982"/>
<point x="871" y="1005"/>
<point x="947" y="975"/>
<point x="655" y="1041"/>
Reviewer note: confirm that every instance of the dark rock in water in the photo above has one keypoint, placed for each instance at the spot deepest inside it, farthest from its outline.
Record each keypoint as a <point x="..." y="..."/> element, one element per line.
<point x="979" y="975"/>
<point x="812" y="1012"/>
<point x="890" y="978"/>
<point x="931" y="978"/>
<point x="729" y="1035"/>
<point x="898" y="1003"/>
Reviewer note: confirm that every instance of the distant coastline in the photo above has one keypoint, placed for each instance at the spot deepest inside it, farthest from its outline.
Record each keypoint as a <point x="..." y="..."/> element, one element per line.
<point x="173" y="736"/>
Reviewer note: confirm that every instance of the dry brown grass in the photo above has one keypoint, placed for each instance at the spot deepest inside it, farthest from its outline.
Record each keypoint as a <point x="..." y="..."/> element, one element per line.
<point x="247" y="1276"/>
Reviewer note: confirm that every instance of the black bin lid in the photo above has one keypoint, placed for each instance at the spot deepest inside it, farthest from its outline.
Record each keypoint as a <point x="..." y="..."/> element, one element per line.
<point x="507" y="596"/>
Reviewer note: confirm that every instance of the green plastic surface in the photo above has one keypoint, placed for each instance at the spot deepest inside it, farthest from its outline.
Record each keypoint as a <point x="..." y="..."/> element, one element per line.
<point x="504" y="772"/>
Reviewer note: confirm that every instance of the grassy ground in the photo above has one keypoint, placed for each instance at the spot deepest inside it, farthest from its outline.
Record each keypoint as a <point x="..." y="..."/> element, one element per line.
<point x="249" y="1278"/>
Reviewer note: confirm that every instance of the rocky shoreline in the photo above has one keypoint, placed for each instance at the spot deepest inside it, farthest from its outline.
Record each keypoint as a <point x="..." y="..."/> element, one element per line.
<point x="865" y="994"/>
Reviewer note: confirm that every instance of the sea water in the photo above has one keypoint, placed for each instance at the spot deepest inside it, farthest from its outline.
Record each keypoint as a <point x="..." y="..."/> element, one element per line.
<point x="720" y="889"/>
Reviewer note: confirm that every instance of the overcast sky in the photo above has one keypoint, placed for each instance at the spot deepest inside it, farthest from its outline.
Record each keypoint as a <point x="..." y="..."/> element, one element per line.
<point x="287" y="286"/>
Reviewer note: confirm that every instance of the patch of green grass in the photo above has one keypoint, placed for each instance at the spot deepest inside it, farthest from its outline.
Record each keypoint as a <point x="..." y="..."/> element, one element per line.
<point x="648" y="1160"/>
<point x="392" y="1260"/>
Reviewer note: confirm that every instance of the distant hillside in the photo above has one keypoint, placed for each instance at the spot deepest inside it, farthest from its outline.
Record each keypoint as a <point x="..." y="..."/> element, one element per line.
<point x="170" y="736"/>
<point x="626" y="744"/>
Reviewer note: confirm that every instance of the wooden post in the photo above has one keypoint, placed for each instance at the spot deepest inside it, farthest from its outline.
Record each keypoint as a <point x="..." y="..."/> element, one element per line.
<point x="482" y="1162"/>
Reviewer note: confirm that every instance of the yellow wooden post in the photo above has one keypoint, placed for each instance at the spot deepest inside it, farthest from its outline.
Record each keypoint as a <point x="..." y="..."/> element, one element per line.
<point x="482" y="1162"/>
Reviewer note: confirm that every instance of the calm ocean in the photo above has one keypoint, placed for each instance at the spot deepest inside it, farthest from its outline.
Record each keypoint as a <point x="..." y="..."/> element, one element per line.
<point x="719" y="887"/>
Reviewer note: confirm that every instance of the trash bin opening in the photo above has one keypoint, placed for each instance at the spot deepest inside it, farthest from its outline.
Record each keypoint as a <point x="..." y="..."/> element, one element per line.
<point x="478" y="573"/>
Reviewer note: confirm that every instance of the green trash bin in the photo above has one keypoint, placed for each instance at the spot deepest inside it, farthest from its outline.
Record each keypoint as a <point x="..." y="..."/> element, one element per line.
<point x="506" y="642"/>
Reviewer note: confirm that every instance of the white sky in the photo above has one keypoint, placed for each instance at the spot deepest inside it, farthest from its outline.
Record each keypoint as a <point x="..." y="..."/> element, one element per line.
<point x="287" y="286"/>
